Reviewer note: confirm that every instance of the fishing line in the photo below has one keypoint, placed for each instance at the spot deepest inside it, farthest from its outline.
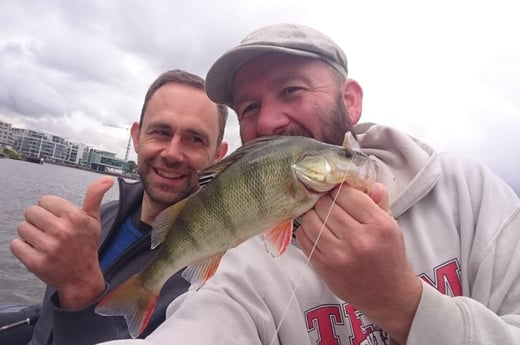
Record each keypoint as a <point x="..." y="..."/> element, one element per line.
<point x="308" y="260"/>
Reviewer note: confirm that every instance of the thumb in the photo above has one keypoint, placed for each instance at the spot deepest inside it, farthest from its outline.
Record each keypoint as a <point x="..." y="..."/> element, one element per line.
<point x="94" y="196"/>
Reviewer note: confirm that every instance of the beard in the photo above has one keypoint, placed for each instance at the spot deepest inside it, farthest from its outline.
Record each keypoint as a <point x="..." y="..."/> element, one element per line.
<point x="336" y="122"/>
<point x="165" y="194"/>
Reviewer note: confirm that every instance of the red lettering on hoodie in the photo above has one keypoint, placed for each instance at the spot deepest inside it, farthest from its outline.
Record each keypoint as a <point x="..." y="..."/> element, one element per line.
<point x="322" y="319"/>
<point x="360" y="332"/>
<point x="334" y="323"/>
<point x="446" y="278"/>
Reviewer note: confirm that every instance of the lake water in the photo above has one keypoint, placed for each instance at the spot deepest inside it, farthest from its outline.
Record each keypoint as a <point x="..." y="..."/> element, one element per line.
<point x="21" y="185"/>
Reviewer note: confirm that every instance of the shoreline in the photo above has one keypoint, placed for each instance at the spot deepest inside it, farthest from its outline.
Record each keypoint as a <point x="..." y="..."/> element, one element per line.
<point x="131" y="176"/>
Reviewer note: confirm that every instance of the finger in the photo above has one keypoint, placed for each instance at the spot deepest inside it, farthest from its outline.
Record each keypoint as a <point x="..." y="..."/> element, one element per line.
<point x="315" y="231"/>
<point x="304" y="242"/>
<point x="32" y="235"/>
<point x="55" y="204"/>
<point x="94" y="196"/>
<point x="358" y="204"/>
<point x="40" y="217"/>
<point x="379" y="194"/>
<point x="24" y="252"/>
<point x="337" y="219"/>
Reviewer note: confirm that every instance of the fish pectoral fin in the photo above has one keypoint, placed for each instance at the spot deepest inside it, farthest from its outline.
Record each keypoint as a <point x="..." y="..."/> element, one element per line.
<point x="164" y="221"/>
<point x="277" y="239"/>
<point x="199" y="272"/>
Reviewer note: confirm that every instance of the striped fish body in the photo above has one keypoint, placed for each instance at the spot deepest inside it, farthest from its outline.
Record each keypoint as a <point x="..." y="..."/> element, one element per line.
<point x="259" y="189"/>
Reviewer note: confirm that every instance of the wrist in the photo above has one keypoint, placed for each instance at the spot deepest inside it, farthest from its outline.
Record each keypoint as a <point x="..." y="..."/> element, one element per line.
<point x="396" y="319"/>
<point x="78" y="296"/>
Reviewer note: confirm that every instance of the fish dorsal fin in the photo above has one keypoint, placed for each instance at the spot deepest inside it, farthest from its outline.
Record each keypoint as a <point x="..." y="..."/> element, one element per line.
<point x="350" y="143"/>
<point x="199" y="272"/>
<point x="277" y="239"/>
<point x="208" y="174"/>
<point x="164" y="221"/>
<point x="205" y="178"/>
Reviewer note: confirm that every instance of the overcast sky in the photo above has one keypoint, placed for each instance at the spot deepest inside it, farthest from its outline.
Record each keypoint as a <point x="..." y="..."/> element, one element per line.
<point x="445" y="71"/>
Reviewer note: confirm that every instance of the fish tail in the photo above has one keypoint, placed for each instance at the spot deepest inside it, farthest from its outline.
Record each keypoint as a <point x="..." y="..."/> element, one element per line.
<point x="133" y="301"/>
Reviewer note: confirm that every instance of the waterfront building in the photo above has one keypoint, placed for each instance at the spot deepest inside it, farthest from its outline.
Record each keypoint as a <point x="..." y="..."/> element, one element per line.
<point x="6" y="134"/>
<point x="52" y="148"/>
<point x="41" y="145"/>
<point x="103" y="161"/>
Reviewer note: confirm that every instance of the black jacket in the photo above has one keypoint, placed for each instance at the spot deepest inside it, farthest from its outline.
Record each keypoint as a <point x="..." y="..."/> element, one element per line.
<point x="61" y="327"/>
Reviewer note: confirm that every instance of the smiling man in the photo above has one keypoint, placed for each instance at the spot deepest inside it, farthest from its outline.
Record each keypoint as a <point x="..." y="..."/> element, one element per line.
<point x="83" y="253"/>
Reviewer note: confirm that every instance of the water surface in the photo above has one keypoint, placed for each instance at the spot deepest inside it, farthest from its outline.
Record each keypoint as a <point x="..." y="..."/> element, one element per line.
<point x="21" y="185"/>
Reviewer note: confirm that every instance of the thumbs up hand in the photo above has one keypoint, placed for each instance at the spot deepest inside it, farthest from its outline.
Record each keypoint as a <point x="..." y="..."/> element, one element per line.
<point x="58" y="242"/>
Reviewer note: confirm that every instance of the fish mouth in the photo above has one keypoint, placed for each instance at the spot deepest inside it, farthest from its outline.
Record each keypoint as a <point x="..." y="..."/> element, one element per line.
<point x="315" y="187"/>
<point x="332" y="172"/>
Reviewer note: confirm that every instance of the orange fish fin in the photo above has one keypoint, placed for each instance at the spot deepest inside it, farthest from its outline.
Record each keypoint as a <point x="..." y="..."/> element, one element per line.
<point x="164" y="221"/>
<point x="199" y="272"/>
<point x="277" y="239"/>
<point x="133" y="301"/>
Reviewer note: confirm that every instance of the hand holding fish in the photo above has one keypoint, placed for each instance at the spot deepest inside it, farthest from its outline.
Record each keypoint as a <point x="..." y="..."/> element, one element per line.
<point x="58" y="243"/>
<point x="360" y="254"/>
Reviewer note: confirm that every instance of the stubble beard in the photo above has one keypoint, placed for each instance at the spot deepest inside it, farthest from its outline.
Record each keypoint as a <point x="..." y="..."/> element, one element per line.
<point x="164" y="194"/>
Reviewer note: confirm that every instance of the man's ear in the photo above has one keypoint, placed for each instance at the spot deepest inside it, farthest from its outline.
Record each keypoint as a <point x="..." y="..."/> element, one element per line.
<point x="221" y="151"/>
<point x="134" y="131"/>
<point x="353" y="98"/>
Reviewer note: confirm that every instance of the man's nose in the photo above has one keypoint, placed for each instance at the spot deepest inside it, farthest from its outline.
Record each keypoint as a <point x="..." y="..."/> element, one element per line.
<point x="271" y="118"/>
<point x="173" y="150"/>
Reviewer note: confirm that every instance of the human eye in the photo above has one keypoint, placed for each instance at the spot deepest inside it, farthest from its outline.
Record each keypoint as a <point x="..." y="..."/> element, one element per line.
<point x="195" y="140"/>
<point x="290" y="90"/>
<point x="158" y="132"/>
<point x="247" y="110"/>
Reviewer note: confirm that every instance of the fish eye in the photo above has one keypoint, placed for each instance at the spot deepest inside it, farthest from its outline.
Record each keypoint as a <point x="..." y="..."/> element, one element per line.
<point x="348" y="153"/>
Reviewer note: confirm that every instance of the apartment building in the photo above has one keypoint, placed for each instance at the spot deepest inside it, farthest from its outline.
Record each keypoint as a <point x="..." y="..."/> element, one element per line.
<point x="6" y="135"/>
<point x="53" y="148"/>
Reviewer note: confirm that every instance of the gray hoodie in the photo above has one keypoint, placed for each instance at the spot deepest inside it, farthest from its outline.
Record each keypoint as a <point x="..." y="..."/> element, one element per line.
<point x="461" y="226"/>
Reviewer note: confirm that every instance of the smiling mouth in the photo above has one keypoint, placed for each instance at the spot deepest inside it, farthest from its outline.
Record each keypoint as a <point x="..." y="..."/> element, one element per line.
<point x="167" y="174"/>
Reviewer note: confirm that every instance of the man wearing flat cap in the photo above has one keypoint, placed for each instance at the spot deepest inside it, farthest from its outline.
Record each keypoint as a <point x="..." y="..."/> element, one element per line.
<point x="431" y="255"/>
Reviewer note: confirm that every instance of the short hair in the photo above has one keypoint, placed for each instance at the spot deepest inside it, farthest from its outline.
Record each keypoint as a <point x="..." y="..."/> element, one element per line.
<point x="185" y="78"/>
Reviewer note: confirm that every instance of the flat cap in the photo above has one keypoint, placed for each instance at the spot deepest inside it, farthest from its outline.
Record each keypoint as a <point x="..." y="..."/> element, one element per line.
<point x="285" y="38"/>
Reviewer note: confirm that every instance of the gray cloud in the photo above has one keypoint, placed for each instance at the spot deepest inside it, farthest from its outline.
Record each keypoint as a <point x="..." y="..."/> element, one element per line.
<point x="70" y="66"/>
<point x="97" y="58"/>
